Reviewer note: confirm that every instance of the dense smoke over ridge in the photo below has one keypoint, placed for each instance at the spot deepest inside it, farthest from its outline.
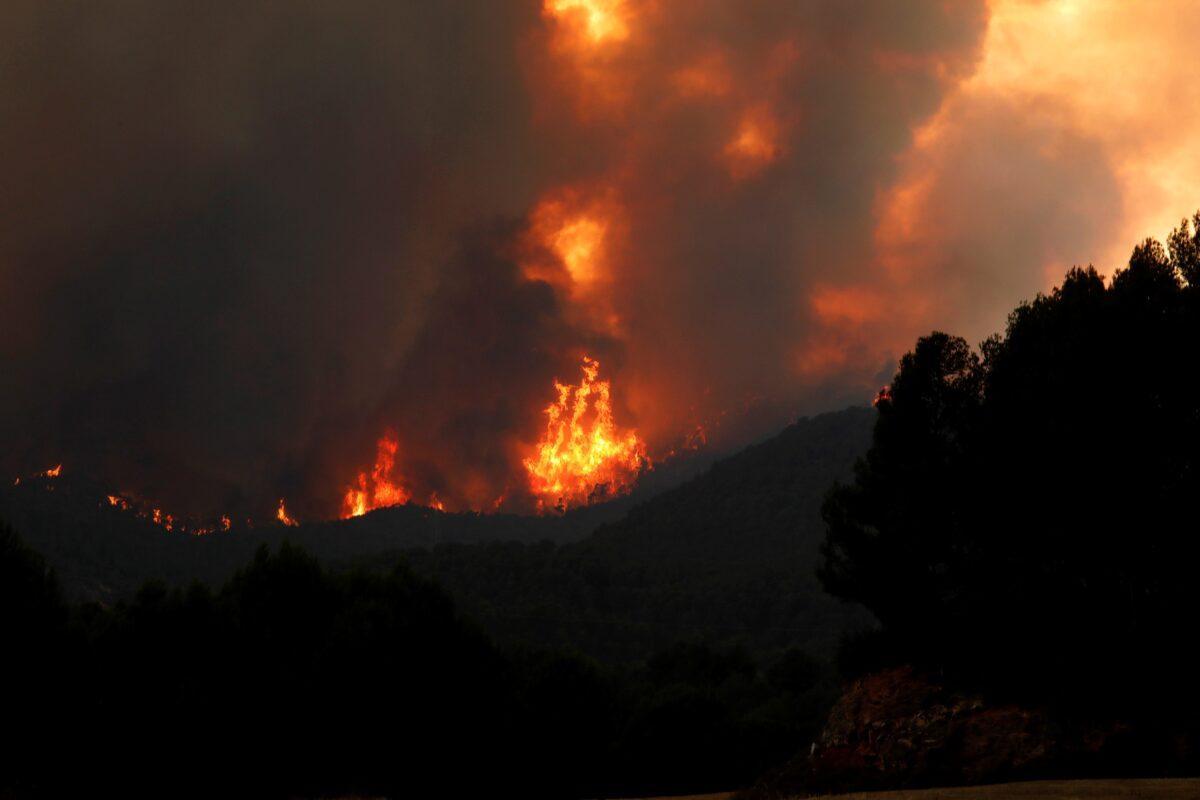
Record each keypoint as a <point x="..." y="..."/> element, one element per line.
<point x="238" y="245"/>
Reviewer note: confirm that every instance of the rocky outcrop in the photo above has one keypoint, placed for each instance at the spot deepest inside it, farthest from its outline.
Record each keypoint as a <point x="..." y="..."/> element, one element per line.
<point x="898" y="728"/>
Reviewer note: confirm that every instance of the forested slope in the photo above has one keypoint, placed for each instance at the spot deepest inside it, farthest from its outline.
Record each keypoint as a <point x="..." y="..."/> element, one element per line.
<point x="728" y="557"/>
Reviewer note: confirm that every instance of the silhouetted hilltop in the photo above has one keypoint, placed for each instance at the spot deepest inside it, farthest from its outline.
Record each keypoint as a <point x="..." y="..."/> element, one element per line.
<point x="728" y="557"/>
<point x="102" y="553"/>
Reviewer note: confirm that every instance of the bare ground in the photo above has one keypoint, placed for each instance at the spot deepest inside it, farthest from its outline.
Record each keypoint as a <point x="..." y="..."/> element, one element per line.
<point x="1140" y="789"/>
<point x="1147" y="789"/>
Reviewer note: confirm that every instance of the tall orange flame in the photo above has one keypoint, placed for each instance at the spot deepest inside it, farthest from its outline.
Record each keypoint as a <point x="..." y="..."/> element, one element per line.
<point x="380" y="490"/>
<point x="583" y="455"/>
<point x="281" y="514"/>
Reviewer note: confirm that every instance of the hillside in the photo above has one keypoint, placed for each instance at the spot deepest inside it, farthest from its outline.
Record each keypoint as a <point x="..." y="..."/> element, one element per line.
<point x="728" y="557"/>
<point x="102" y="553"/>
<point x="1131" y="789"/>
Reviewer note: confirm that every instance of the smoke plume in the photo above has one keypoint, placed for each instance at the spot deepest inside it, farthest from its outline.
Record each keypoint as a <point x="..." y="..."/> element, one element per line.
<point x="240" y="244"/>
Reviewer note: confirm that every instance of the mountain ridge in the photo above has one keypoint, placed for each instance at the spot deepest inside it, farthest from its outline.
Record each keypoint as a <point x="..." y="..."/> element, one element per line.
<point x="727" y="555"/>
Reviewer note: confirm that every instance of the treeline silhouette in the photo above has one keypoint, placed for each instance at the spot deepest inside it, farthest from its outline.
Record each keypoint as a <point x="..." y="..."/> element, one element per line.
<point x="1026" y="517"/>
<point x="293" y="680"/>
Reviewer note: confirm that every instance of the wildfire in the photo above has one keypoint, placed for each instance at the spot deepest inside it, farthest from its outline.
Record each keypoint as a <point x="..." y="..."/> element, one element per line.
<point x="583" y="455"/>
<point x="53" y="472"/>
<point x="281" y="514"/>
<point x="379" y="490"/>
<point x="164" y="520"/>
<point x="168" y="522"/>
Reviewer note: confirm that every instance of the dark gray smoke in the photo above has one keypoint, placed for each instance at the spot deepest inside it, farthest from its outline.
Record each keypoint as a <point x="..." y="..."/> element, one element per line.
<point x="239" y="242"/>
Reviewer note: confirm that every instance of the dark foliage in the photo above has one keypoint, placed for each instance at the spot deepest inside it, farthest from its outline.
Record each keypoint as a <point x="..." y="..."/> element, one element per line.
<point x="35" y="652"/>
<point x="292" y="680"/>
<point x="105" y="554"/>
<point x="727" y="557"/>
<point x="289" y="680"/>
<point x="1026" y="516"/>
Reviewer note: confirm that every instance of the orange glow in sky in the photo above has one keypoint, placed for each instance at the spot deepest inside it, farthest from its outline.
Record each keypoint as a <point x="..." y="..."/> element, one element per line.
<point x="754" y="145"/>
<point x="1109" y="72"/>
<point x="600" y="20"/>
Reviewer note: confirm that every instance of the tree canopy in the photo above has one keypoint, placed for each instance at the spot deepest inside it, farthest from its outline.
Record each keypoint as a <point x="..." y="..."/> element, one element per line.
<point x="292" y="680"/>
<point x="1026" y="513"/>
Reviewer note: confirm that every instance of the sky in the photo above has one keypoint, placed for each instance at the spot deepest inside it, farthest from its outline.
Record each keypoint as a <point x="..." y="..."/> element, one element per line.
<point x="241" y="245"/>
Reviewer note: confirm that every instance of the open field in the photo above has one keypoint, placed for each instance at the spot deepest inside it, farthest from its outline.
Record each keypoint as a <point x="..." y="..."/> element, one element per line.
<point x="1149" y="789"/>
<point x="1142" y="789"/>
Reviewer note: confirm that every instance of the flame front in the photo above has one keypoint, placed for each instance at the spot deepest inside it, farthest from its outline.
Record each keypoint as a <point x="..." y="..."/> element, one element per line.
<point x="583" y="455"/>
<point x="169" y="522"/>
<point x="380" y="489"/>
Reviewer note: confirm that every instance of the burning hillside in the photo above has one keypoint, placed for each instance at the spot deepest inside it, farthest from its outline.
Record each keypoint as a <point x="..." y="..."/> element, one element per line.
<point x="380" y="489"/>
<point x="583" y="455"/>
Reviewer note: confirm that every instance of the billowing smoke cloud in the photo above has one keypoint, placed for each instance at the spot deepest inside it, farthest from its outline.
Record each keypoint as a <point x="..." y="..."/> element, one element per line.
<point x="239" y="244"/>
<point x="746" y="144"/>
<point x="1073" y="139"/>
<point x="223" y="224"/>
